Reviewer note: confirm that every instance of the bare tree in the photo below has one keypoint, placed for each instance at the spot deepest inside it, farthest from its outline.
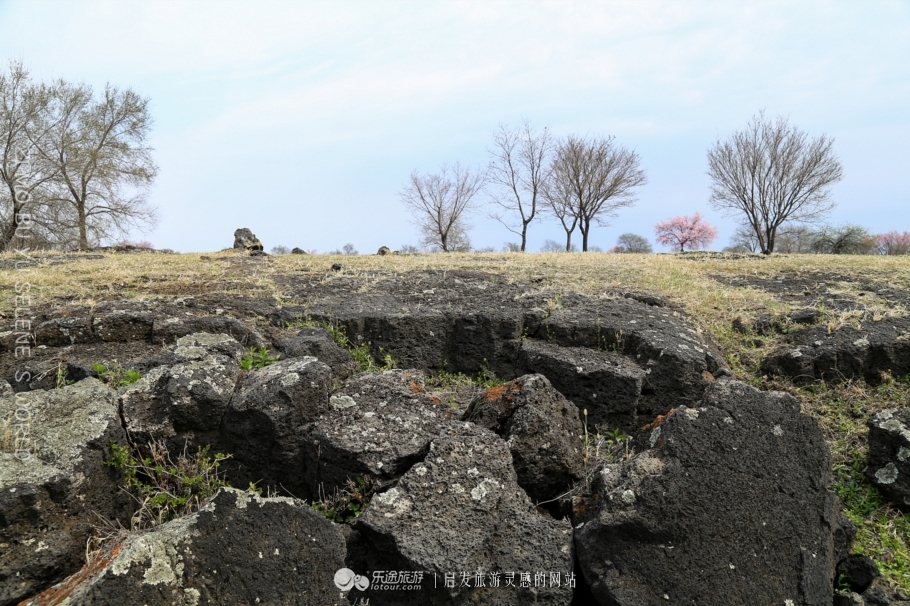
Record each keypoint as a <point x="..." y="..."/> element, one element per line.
<point x="439" y="203"/>
<point x="773" y="172"/>
<point x="518" y="170"/>
<point x="22" y="182"/>
<point x="97" y="151"/>
<point x="589" y="181"/>
<point x="743" y="240"/>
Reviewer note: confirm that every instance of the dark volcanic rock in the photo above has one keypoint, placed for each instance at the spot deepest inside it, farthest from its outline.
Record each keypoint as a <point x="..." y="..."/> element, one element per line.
<point x="246" y="240"/>
<point x="53" y="486"/>
<point x="607" y="384"/>
<point x="175" y="403"/>
<point x="378" y="424"/>
<point x="267" y="421"/>
<point x="727" y="505"/>
<point x="542" y="431"/>
<point x="239" y="549"/>
<point x="679" y="362"/>
<point x="845" y="354"/>
<point x="122" y="325"/>
<point x="463" y="321"/>
<point x="167" y="330"/>
<point x="858" y="572"/>
<point x="889" y="454"/>
<point x="317" y="343"/>
<point x="461" y="511"/>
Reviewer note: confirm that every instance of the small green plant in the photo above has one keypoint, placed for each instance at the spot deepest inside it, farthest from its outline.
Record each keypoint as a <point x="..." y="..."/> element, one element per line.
<point x="115" y="375"/>
<point x="347" y="504"/>
<point x="62" y="381"/>
<point x="165" y="489"/>
<point x="257" y="358"/>
<point x="361" y="352"/>
<point x="616" y="436"/>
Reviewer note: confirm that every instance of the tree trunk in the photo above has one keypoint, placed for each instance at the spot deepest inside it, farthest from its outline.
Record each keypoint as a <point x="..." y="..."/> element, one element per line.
<point x="524" y="236"/>
<point x="83" y="232"/>
<point x="568" y="241"/>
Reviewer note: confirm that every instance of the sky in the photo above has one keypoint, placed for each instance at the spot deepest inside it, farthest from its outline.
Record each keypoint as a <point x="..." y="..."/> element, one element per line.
<point x="303" y="120"/>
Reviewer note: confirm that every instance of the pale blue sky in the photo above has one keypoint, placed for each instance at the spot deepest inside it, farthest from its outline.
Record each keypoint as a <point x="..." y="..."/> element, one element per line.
<point x="303" y="120"/>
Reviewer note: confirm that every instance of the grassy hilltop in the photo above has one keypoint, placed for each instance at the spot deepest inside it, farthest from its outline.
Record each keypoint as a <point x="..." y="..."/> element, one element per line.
<point x="713" y="290"/>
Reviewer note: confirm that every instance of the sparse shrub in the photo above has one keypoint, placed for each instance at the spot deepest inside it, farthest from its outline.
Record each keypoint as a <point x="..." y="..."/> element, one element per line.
<point x="842" y="240"/>
<point x="554" y="246"/>
<point x="633" y="243"/>
<point x="511" y="247"/>
<point x="280" y="250"/>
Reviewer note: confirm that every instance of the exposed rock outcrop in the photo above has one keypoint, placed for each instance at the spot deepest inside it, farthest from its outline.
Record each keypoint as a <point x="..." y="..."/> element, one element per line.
<point x="889" y="454"/>
<point x="54" y="484"/>
<point x="726" y="504"/>
<point x="460" y="512"/>
<point x="542" y="430"/>
<point x="239" y="549"/>
<point x="845" y="354"/>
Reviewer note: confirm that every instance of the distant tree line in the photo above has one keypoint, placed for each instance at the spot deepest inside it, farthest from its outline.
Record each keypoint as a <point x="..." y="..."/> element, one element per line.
<point x="771" y="175"/>
<point x="75" y="166"/>
<point x="847" y="239"/>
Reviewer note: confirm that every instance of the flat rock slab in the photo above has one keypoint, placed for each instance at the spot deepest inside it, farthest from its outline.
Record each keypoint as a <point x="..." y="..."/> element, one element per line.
<point x="51" y="488"/>
<point x="848" y="353"/>
<point x="460" y="511"/>
<point x="238" y="549"/>
<point x="542" y="430"/>
<point x="727" y="504"/>
<point x="889" y="454"/>
<point x="605" y="383"/>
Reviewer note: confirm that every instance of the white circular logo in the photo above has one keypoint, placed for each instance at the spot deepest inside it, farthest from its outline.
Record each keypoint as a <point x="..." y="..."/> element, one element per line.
<point x="346" y="579"/>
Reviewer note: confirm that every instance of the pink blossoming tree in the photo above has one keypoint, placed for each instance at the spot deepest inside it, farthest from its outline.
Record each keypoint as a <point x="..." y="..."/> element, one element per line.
<point x="893" y="243"/>
<point x="688" y="231"/>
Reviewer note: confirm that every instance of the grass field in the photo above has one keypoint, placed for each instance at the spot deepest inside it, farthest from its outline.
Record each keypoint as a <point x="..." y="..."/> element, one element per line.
<point x="695" y="284"/>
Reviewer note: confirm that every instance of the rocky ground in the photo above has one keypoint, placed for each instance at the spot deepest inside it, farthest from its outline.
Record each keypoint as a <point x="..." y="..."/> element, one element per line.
<point x="451" y="436"/>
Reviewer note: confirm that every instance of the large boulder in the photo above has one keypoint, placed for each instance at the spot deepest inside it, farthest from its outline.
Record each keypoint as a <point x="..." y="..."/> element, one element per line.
<point x="244" y="239"/>
<point x="889" y="454"/>
<point x="377" y="424"/>
<point x="461" y="519"/>
<point x="239" y="549"/>
<point x="266" y="424"/>
<point x="55" y="486"/>
<point x="726" y="504"/>
<point x="542" y="430"/>
<point x="186" y="400"/>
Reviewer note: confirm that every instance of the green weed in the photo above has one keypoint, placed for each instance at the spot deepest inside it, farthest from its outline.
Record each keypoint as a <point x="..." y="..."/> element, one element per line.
<point x="165" y="489"/>
<point x="114" y="375"/>
<point x="347" y="504"/>
<point x="256" y="359"/>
